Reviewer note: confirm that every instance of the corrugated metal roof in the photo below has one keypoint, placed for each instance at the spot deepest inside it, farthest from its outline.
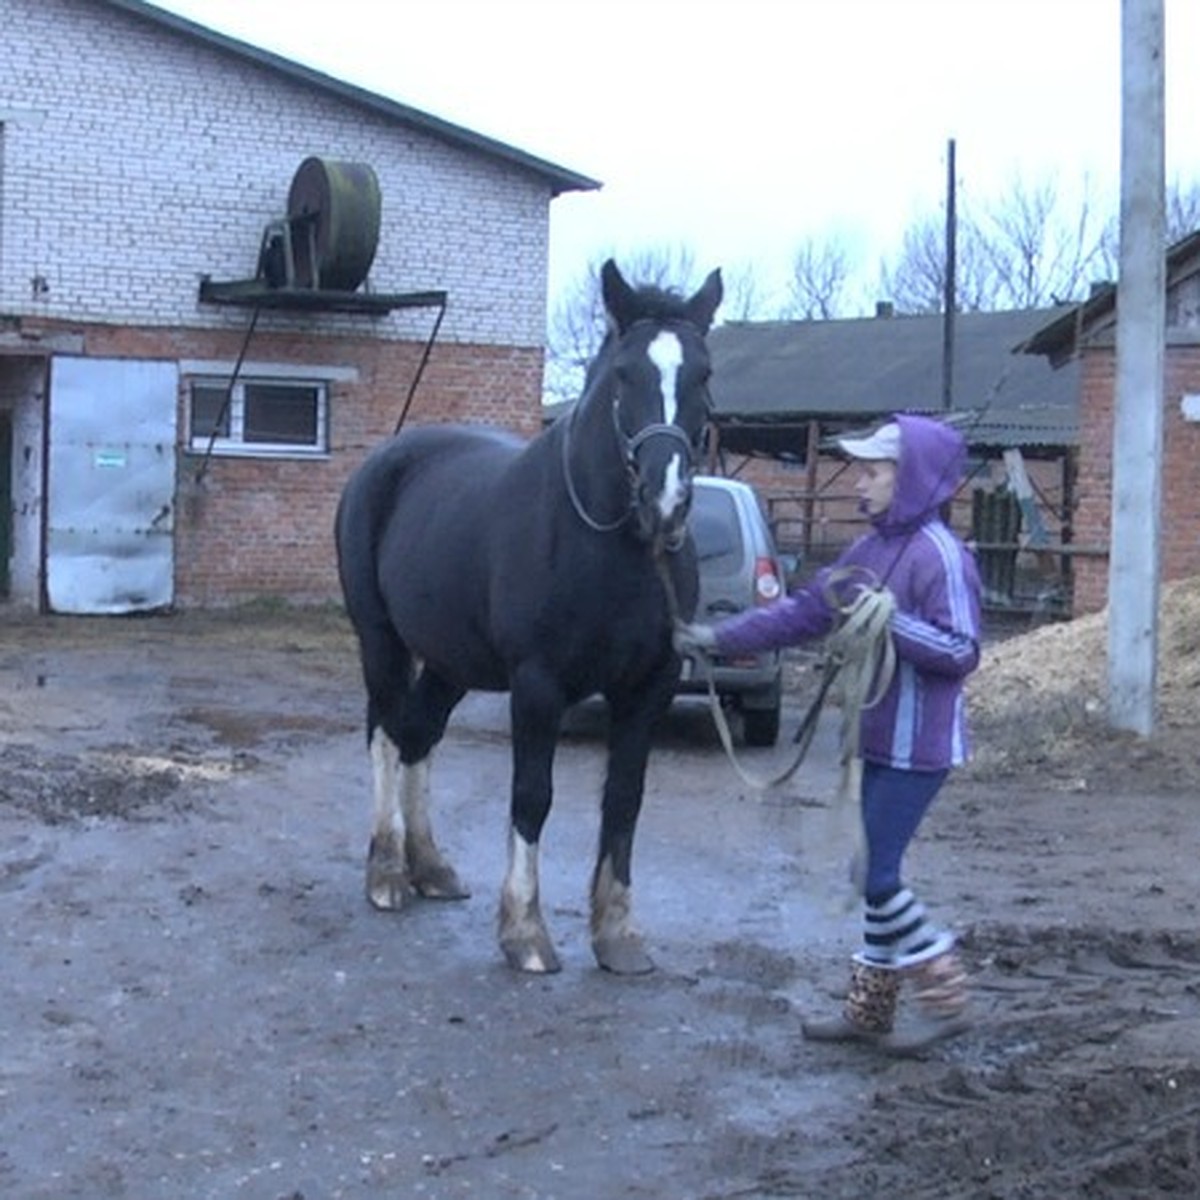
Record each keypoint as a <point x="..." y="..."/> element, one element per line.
<point x="559" y="178"/>
<point x="783" y="373"/>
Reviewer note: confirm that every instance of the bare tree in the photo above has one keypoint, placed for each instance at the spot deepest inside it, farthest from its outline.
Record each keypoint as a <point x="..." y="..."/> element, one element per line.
<point x="1039" y="250"/>
<point x="1027" y="249"/>
<point x="820" y="272"/>
<point x="916" y="282"/>
<point x="575" y="330"/>
<point x="745" y="299"/>
<point x="1182" y="203"/>
<point x="1183" y="210"/>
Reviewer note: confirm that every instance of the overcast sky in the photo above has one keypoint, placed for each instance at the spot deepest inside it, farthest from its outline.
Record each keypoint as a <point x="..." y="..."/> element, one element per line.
<point x="742" y="127"/>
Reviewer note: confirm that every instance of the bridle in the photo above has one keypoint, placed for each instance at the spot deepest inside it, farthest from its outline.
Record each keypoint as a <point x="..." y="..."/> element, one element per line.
<point x="628" y="446"/>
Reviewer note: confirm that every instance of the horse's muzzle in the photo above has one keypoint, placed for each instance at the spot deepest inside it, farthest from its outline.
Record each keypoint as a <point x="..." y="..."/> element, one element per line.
<point x="661" y="512"/>
<point x="661" y="465"/>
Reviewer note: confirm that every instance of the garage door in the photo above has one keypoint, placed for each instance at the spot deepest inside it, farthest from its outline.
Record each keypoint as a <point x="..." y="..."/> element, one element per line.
<point x="110" y="487"/>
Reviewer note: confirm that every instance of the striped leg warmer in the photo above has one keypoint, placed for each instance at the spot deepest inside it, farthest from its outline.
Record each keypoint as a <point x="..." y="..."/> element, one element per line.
<point x="897" y="932"/>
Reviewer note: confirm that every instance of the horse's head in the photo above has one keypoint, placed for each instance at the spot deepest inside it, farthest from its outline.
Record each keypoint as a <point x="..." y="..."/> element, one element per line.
<point x="658" y="370"/>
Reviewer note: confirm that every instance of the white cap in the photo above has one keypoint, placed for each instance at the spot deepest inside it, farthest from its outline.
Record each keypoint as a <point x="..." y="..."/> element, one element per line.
<point x="883" y="443"/>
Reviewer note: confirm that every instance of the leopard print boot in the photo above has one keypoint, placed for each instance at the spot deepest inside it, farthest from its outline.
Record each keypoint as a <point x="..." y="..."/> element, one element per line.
<point x="869" y="1009"/>
<point x="940" y="988"/>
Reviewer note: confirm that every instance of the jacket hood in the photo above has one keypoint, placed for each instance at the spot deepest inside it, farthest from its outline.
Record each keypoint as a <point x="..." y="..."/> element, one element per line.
<point x="933" y="457"/>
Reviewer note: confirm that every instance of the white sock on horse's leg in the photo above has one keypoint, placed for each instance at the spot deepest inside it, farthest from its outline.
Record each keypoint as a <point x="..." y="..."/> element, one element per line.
<point x="430" y="873"/>
<point x="387" y="867"/>
<point x="523" y="934"/>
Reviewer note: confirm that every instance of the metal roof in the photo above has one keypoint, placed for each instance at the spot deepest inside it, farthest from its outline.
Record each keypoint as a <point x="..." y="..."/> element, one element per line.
<point x="559" y="178"/>
<point x="771" y="378"/>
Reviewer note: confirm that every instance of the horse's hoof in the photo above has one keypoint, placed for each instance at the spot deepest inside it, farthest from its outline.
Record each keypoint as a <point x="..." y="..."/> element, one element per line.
<point x="623" y="956"/>
<point x="440" y="883"/>
<point x="387" y="889"/>
<point x="534" y="956"/>
<point x="388" y="882"/>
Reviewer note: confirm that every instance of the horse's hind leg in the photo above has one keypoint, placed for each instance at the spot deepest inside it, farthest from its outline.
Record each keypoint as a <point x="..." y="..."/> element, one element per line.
<point x="407" y="712"/>
<point x="388" y="883"/>
<point x="432" y="876"/>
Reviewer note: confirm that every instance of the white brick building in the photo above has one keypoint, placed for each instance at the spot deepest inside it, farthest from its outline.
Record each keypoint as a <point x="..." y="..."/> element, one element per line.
<point x="141" y="154"/>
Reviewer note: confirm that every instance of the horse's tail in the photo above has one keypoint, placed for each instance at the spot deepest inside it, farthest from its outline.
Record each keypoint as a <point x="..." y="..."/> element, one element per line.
<point x="358" y="528"/>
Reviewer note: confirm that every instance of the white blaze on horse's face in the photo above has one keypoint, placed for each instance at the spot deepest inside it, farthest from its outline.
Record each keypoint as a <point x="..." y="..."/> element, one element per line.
<point x="666" y="353"/>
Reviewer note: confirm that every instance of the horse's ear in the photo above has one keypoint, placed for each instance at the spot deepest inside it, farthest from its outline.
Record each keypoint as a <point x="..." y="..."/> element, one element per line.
<point x="702" y="307"/>
<point x="619" y="298"/>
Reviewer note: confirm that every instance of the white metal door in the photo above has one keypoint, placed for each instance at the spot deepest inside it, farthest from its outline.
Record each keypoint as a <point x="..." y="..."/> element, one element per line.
<point x="110" y="488"/>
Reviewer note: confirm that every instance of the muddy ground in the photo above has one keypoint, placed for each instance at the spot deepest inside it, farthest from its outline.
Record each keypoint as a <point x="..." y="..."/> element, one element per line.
<point x="199" y="1003"/>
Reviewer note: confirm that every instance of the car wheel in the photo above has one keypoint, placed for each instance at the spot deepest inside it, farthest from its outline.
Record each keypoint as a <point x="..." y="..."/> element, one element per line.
<point x="760" y="726"/>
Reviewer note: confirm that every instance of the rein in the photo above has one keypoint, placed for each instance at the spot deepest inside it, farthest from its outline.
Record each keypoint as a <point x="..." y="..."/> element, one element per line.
<point x="576" y="501"/>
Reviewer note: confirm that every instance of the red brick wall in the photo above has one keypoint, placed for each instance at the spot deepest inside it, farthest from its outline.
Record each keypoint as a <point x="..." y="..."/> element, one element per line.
<point x="1179" y="529"/>
<point x="1181" y="455"/>
<point x="257" y="528"/>
<point x="1093" y="484"/>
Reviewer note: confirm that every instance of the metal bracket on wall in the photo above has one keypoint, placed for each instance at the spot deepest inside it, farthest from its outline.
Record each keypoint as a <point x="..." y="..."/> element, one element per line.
<point x="254" y="294"/>
<point x="202" y="470"/>
<point x="412" y="387"/>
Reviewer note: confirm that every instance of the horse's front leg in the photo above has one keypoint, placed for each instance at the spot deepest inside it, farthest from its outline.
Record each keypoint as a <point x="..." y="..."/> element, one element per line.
<point x="616" y="942"/>
<point x="536" y="708"/>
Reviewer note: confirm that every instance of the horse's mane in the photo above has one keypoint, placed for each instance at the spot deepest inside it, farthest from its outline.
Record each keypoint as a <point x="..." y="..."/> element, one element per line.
<point x="660" y="304"/>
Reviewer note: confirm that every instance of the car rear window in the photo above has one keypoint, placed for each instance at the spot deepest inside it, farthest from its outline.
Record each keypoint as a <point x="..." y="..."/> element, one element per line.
<point x="716" y="531"/>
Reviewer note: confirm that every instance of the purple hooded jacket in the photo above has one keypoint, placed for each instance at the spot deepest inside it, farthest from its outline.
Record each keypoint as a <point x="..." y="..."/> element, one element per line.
<point x="919" y="723"/>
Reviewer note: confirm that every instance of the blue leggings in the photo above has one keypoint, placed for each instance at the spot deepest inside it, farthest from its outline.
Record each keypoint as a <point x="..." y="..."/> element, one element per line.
<point x="893" y="804"/>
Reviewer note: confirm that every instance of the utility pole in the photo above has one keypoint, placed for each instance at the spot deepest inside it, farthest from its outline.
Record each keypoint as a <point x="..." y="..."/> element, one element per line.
<point x="950" y="302"/>
<point x="1133" y="572"/>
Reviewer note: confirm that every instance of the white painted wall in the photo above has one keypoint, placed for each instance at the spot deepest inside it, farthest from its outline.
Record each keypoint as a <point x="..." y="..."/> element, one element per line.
<point x="134" y="160"/>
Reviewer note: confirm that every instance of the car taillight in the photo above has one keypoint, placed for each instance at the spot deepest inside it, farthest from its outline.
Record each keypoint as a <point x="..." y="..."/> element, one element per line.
<point x="767" y="585"/>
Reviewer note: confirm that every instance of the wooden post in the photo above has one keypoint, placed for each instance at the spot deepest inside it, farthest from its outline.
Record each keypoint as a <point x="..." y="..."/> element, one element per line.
<point x="812" y="478"/>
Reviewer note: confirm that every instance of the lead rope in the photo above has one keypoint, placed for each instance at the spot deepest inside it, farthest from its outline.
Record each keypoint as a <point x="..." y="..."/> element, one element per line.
<point x="867" y="669"/>
<point x="860" y="657"/>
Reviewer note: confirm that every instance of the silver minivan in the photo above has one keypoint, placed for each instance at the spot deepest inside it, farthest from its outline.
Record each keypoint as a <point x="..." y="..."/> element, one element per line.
<point x="739" y="568"/>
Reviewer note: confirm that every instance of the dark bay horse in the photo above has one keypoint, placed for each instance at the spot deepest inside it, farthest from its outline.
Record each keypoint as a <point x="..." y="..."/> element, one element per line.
<point x="470" y="560"/>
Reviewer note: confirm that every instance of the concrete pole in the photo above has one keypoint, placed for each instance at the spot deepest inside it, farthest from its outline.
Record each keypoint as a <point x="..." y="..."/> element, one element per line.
<point x="1133" y="579"/>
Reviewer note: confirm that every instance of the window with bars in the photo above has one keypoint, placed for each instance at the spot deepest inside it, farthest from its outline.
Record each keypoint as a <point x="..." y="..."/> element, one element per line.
<point x="259" y="417"/>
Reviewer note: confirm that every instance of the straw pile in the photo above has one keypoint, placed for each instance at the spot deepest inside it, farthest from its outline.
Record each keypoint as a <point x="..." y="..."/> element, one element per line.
<point x="1040" y="699"/>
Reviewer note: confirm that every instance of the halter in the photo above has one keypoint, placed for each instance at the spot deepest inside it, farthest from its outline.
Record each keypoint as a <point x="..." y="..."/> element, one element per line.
<point x="628" y="446"/>
<point x="643" y="435"/>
